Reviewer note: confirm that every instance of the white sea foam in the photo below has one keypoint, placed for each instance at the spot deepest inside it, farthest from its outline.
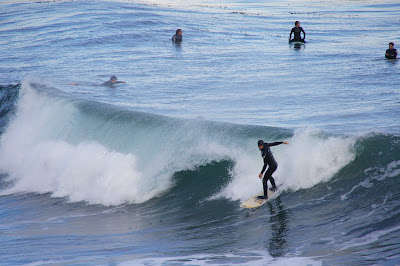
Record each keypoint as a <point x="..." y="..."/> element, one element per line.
<point x="312" y="158"/>
<point x="368" y="239"/>
<point x="250" y="258"/>
<point x="37" y="159"/>
<point x="376" y="173"/>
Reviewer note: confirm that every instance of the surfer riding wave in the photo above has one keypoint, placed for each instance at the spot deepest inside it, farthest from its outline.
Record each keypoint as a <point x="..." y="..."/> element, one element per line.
<point x="269" y="161"/>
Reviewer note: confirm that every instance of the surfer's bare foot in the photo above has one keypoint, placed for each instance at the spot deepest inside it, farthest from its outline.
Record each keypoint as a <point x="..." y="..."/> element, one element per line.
<point x="262" y="197"/>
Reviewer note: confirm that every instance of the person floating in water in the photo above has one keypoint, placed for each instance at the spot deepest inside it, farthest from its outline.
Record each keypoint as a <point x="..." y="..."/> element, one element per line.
<point x="177" y="36"/>
<point x="111" y="82"/>
<point x="391" y="53"/>
<point x="269" y="161"/>
<point x="297" y="33"/>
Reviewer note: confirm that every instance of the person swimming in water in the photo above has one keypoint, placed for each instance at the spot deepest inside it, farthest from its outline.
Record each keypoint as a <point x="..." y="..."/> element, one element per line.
<point x="110" y="83"/>
<point x="177" y="36"/>
<point x="269" y="161"/>
<point x="391" y="53"/>
<point x="297" y="30"/>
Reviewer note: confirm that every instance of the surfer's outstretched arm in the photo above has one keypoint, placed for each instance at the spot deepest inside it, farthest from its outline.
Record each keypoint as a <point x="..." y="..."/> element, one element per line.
<point x="277" y="143"/>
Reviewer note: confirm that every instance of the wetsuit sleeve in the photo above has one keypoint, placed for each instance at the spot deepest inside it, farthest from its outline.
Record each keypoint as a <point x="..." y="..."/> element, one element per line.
<point x="265" y="165"/>
<point x="290" y="35"/>
<point x="275" y="143"/>
<point x="303" y="33"/>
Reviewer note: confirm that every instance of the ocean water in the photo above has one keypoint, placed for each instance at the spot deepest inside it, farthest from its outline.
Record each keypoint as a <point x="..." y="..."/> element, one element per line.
<point x="152" y="172"/>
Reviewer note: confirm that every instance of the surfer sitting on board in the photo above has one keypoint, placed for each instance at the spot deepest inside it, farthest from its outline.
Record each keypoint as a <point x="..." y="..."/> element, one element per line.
<point x="178" y="36"/>
<point x="269" y="160"/>
<point x="391" y="53"/>
<point x="297" y="33"/>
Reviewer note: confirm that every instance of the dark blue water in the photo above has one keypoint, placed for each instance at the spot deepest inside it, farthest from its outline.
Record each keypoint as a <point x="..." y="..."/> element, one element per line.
<point x="153" y="171"/>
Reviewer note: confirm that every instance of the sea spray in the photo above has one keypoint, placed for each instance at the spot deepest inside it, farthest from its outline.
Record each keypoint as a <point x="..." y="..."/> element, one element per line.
<point x="36" y="159"/>
<point x="312" y="158"/>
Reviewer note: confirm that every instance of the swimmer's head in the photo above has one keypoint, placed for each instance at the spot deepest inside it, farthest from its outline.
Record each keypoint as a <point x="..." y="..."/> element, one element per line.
<point x="297" y="23"/>
<point x="113" y="79"/>
<point x="178" y="32"/>
<point x="391" y="45"/>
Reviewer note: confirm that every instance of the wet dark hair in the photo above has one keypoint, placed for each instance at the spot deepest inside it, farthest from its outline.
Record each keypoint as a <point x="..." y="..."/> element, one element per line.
<point x="260" y="143"/>
<point x="296" y="23"/>
<point x="391" y="43"/>
<point x="113" y="77"/>
<point x="178" y="30"/>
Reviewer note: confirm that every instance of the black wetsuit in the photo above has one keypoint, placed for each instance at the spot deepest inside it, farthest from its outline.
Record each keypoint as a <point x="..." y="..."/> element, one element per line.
<point x="391" y="53"/>
<point x="297" y="36"/>
<point x="177" y="38"/>
<point x="269" y="160"/>
<point x="110" y="84"/>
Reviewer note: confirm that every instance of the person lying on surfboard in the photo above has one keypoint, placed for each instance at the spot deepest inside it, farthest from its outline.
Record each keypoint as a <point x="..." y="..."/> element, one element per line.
<point x="269" y="161"/>
<point x="297" y="33"/>
<point x="110" y="83"/>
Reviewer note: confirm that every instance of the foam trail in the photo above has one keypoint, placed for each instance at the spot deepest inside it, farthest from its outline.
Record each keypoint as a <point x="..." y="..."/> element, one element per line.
<point x="391" y="170"/>
<point x="254" y="257"/>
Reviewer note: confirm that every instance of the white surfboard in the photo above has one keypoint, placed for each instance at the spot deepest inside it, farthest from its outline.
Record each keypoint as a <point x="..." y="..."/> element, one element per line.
<point x="254" y="202"/>
<point x="296" y="42"/>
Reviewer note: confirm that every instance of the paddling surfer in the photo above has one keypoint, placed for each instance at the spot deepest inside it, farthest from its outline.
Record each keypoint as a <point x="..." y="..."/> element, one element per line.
<point x="269" y="161"/>
<point x="110" y="83"/>
<point x="297" y="30"/>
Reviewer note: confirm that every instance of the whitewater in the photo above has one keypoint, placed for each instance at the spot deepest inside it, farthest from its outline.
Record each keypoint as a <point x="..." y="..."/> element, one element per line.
<point x="152" y="172"/>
